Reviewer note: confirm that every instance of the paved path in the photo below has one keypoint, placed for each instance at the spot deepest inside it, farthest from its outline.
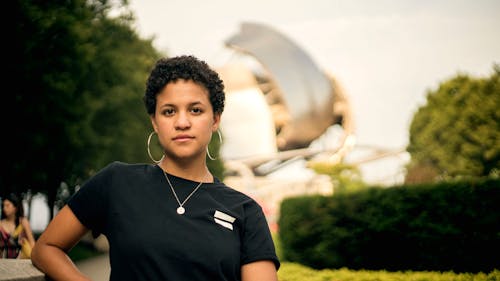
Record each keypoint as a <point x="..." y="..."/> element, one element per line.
<point x="97" y="268"/>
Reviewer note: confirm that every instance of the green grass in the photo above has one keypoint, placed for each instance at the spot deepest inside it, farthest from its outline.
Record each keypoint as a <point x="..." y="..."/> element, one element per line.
<point x="277" y="245"/>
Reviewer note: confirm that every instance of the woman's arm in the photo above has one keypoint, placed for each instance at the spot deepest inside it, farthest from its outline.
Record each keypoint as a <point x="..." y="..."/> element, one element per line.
<point x="49" y="254"/>
<point x="259" y="271"/>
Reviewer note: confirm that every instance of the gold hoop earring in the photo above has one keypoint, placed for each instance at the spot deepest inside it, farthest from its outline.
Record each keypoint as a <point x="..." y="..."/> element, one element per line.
<point x="149" y="151"/>
<point x="208" y="152"/>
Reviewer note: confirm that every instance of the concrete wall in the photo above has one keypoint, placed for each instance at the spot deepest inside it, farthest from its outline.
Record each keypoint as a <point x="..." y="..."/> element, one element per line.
<point x="19" y="270"/>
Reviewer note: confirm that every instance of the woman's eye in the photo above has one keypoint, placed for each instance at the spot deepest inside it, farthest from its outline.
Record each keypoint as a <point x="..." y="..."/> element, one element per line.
<point x="196" y="110"/>
<point x="168" y="112"/>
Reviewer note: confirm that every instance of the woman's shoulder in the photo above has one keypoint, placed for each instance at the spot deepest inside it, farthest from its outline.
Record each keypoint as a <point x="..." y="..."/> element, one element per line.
<point x="119" y="166"/>
<point x="118" y="172"/>
<point x="24" y="222"/>
<point x="2" y="229"/>
<point x="231" y="192"/>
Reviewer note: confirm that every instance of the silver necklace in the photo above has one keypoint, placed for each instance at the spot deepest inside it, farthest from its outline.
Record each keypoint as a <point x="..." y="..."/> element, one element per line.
<point x="180" y="209"/>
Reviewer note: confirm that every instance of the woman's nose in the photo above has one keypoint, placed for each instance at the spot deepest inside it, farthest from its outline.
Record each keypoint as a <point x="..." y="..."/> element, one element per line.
<point x="182" y="121"/>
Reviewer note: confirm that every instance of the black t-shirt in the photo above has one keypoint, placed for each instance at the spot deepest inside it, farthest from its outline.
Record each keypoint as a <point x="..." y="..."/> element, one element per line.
<point x="134" y="207"/>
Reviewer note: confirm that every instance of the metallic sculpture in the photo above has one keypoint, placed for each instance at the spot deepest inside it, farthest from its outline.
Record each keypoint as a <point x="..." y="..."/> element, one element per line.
<point x="304" y="90"/>
<point x="302" y="100"/>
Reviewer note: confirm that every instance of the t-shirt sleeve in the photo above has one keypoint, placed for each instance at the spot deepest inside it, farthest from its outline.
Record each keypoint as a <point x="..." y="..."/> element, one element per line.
<point x="89" y="203"/>
<point x="257" y="240"/>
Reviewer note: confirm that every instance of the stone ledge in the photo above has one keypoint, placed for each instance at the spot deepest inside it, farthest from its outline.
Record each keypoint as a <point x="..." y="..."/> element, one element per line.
<point x="19" y="270"/>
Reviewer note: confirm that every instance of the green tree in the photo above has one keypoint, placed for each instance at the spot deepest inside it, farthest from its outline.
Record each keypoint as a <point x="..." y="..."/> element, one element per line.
<point x="78" y="76"/>
<point x="117" y="125"/>
<point x="457" y="132"/>
<point x="50" y="57"/>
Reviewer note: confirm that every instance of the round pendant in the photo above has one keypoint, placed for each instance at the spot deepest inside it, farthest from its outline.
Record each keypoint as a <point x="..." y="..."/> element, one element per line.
<point x="181" y="210"/>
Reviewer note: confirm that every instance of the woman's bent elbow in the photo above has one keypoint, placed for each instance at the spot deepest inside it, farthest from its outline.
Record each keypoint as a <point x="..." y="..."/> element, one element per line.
<point x="40" y="255"/>
<point x="36" y="255"/>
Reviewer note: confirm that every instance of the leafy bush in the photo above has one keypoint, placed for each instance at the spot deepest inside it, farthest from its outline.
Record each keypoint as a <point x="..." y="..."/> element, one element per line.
<point x="439" y="227"/>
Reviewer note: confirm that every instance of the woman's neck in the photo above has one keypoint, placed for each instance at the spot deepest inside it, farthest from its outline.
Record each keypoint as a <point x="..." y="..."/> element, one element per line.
<point x="9" y="219"/>
<point x="8" y="223"/>
<point x="199" y="172"/>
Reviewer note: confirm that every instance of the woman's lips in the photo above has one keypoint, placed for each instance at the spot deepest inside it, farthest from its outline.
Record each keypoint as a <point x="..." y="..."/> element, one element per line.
<point x="182" y="138"/>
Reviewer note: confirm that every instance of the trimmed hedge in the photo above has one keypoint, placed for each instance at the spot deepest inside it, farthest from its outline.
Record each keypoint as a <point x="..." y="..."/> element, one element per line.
<point x="448" y="226"/>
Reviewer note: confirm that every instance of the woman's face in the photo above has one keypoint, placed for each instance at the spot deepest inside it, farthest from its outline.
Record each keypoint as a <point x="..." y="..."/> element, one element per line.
<point x="8" y="208"/>
<point x="184" y="120"/>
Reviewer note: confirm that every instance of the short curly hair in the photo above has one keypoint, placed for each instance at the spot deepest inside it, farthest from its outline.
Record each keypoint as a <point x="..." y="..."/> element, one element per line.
<point x="185" y="67"/>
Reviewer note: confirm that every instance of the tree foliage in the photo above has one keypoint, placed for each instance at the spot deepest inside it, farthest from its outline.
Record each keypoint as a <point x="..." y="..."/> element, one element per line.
<point x="457" y="132"/>
<point x="78" y="76"/>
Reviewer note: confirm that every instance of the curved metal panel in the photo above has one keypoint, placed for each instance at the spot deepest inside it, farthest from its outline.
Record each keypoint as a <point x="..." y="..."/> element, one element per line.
<point x="306" y="90"/>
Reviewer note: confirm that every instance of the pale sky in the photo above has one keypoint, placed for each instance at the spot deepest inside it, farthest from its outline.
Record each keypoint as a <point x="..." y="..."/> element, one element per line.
<point x="386" y="54"/>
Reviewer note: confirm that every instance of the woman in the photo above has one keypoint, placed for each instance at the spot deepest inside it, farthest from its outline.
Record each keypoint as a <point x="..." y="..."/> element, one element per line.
<point x="16" y="237"/>
<point x="172" y="220"/>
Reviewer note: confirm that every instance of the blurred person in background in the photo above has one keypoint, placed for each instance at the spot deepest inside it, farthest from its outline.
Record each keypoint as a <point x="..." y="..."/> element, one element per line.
<point x="16" y="236"/>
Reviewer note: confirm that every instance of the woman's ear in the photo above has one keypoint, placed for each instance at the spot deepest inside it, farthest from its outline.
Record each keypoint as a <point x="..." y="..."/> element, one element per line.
<point x="215" y="125"/>
<point x="153" y="122"/>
